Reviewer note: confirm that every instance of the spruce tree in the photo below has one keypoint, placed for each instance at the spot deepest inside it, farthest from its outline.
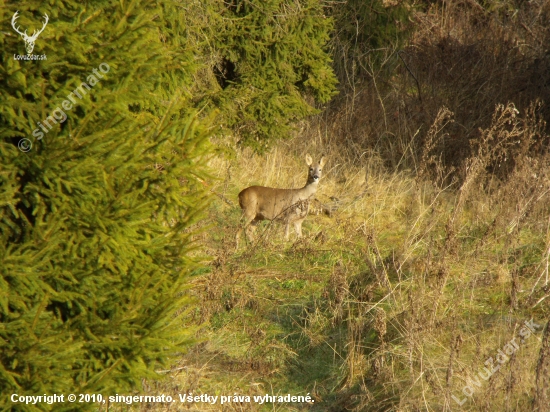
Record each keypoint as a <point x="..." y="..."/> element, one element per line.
<point x="269" y="62"/>
<point x="95" y="219"/>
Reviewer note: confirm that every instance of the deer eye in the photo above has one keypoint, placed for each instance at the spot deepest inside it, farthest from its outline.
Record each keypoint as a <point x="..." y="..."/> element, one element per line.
<point x="320" y="170"/>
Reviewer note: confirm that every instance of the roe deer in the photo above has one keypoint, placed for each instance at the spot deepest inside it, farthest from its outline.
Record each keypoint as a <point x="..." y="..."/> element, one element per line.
<point x="288" y="205"/>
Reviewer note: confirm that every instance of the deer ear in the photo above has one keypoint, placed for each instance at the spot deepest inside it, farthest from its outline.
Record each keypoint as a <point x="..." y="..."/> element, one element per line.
<point x="309" y="160"/>
<point x="322" y="161"/>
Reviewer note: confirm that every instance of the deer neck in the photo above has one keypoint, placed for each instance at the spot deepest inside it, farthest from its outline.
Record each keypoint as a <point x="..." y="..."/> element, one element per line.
<point x="310" y="188"/>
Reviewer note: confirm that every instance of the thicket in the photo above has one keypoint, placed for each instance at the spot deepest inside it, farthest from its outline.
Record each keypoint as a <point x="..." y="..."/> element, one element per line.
<point x="266" y="64"/>
<point x="364" y="31"/>
<point x="465" y="56"/>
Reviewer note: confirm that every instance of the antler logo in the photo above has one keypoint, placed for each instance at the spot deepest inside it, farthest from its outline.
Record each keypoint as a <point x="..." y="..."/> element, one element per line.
<point x="29" y="40"/>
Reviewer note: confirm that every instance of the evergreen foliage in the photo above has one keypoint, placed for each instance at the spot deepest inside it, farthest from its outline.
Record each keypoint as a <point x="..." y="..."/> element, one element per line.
<point x="269" y="62"/>
<point x="95" y="220"/>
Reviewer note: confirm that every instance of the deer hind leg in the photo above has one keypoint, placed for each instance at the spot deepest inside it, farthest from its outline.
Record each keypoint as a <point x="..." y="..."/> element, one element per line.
<point x="238" y="236"/>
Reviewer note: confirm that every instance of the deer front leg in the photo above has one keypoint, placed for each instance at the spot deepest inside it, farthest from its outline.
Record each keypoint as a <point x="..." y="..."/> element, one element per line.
<point x="298" y="228"/>
<point x="237" y="237"/>
<point x="287" y="230"/>
<point x="251" y="229"/>
<point x="247" y="227"/>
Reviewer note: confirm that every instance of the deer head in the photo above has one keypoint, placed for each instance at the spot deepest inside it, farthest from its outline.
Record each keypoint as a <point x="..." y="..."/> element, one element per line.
<point x="29" y="40"/>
